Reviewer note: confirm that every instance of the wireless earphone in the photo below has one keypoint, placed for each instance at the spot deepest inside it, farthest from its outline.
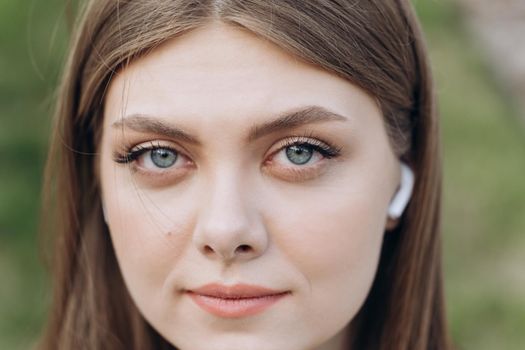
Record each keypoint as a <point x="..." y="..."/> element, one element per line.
<point x="104" y="215"/>
<point x="400" y="200"/>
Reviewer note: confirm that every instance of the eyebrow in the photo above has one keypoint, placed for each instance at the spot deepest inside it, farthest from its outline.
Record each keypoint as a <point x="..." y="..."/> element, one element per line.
<point x="286" y="120"/>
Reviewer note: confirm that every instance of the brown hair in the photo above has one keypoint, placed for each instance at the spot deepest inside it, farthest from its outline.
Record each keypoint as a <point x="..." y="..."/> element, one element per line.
<point x="375" y="44"/>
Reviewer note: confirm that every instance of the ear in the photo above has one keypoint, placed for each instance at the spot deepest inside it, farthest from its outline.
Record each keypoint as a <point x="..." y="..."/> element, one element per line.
<point x="401" y="198"/>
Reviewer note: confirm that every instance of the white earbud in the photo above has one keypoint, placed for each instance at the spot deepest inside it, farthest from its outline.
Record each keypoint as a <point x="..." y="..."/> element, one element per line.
<point x="104" y="214"/>
<point x="400" y="200"/>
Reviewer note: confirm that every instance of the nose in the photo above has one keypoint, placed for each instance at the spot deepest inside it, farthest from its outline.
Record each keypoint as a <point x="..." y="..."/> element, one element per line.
<point x="229" y="227"/>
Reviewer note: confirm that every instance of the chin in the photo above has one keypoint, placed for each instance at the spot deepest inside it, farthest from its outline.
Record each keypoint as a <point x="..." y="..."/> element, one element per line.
<point x="241" y="342"/>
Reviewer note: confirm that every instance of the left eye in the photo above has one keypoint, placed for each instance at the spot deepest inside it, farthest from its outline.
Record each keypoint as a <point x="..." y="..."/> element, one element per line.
<point x="299" y="154"/>
<point x="160" y="158"/>
<point x="301" y="151"/>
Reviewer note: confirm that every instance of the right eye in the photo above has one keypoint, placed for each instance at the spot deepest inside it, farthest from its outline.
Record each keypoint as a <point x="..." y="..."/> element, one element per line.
<point x="151" y="157"/>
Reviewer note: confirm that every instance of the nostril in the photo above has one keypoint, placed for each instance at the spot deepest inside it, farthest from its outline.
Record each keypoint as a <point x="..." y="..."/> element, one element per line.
<point x="244" y="248"/>
<point x="208" y="249"/>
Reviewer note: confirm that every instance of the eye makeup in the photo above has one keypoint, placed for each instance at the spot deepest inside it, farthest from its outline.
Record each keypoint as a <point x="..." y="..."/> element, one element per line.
<point x="154" y="163"/>
<point x="135" y="152"/>
<point x="154" y="158"/>
<point x="310" y="140"/>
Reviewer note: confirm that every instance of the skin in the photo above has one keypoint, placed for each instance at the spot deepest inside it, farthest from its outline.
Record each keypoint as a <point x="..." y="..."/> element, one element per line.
<point x="313" y="229"/>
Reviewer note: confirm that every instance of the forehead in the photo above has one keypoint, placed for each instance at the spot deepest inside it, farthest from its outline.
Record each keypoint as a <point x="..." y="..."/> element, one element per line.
<point x="219" y="71"/>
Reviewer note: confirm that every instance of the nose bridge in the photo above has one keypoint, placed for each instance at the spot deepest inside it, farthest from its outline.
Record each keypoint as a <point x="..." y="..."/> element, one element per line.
<point x="228" y="228"/>
<point x="225" y="207"/>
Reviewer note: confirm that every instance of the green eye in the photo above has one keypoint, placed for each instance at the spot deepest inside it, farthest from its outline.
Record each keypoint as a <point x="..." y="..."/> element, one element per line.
<point x="299" y="154"/>
<point x="163" y="158"/>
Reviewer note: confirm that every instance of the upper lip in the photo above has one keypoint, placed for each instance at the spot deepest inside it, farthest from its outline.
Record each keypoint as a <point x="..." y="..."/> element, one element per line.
<point x="236" y="291"/>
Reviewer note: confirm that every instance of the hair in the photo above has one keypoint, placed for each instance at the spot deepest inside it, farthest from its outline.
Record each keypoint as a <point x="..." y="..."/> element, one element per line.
<point x="375" y="44"/>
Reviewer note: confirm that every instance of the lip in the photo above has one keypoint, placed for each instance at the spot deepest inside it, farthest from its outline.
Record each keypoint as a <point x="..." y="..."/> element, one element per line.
<point x="240" y="300"/>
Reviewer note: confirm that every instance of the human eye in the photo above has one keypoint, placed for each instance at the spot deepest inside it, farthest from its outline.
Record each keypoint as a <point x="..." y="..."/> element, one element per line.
<point x="300" y="158"/>
<point x="153" y="158"/>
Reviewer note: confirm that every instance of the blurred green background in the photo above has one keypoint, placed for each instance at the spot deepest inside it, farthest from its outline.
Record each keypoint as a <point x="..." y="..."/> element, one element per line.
<point x="484" y="154"/>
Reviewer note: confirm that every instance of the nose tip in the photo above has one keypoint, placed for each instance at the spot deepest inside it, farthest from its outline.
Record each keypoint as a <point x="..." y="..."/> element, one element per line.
<point x="241" y="252"/>
<point x="229" y="228"/>
<point x="230" y="242"/>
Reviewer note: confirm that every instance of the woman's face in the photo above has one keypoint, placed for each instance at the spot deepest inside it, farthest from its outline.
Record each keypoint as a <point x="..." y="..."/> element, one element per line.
<point x="246" y="193"/>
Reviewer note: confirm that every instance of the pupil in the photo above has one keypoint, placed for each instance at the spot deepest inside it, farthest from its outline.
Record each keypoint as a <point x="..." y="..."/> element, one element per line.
<point x="299" y="154"/>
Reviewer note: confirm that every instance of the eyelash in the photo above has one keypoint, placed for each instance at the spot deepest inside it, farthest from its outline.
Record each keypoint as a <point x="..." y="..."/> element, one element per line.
<point x="328" y="151"/>
<point x="133" y="154"/>
<point x="308" y="139"/>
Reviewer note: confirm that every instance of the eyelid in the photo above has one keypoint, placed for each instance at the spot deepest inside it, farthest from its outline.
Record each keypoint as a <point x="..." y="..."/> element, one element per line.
<point x="318" y="144"/>
<point x="131" y="154"/>
<point x="327" y="150"/>
<point x="308" y="171"/>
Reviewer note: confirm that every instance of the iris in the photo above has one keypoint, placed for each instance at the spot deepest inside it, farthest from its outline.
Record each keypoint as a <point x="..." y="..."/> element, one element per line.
<point x="163" y="158"/>
<point x="299" y="154"/>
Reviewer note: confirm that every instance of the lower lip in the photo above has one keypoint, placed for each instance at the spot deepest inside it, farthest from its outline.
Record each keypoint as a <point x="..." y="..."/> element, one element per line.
<point x="235" y="308"/>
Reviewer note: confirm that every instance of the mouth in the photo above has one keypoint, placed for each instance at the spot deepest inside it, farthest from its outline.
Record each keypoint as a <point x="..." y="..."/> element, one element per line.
<point x="240" y="300"/>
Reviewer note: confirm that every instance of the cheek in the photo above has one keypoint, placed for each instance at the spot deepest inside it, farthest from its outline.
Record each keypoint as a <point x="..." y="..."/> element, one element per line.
<point x="148" y="239"/>
<point x="335" y="243"/>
